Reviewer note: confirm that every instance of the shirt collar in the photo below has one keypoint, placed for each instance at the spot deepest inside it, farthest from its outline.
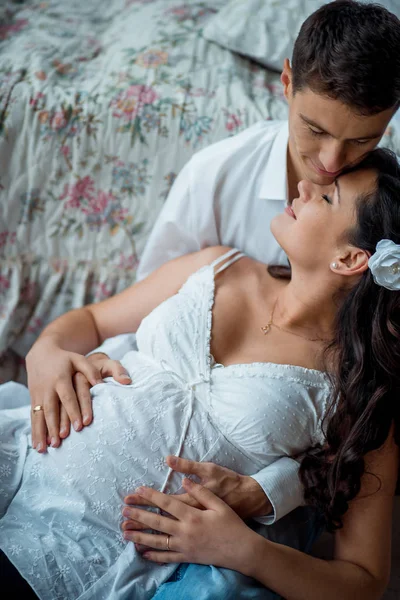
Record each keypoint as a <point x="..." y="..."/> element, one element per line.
<point x="274" y="181"/>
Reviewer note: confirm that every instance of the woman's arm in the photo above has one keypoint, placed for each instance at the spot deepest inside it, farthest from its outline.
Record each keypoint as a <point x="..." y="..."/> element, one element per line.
<point x="58" y="353"/>
<point x="361" y="565"/>
<point x="85" y="328"/>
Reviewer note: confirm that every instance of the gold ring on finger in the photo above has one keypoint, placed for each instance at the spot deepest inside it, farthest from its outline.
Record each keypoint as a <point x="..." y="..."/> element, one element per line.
<point x="37" y="408"/>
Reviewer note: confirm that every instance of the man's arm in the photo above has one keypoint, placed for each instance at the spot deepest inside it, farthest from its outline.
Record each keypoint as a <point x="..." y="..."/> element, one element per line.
<point x="281" y="485"/>
<point x="175" y="232"/>
<point x="266" y="497"/>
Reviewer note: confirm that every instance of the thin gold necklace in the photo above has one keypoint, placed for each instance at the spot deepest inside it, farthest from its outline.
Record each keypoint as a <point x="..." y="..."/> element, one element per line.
<point x="267" y="328"/>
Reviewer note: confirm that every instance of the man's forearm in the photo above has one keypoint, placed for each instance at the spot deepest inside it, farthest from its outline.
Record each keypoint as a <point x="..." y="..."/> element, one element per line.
<point x="258" y="502"/>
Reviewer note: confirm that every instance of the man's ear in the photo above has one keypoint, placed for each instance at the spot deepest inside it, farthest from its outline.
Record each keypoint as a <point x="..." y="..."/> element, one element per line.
<point x="286" y="79"/>
<point x="354" y="262"/>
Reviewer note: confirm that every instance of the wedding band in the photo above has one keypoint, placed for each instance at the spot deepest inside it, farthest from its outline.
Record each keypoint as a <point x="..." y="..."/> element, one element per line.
<point x="37" y="408"/>
<point x="168" y="537"/>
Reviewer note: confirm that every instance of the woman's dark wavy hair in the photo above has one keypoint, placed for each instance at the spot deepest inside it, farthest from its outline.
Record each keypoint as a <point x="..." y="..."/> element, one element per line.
<point x="366" y="351"/>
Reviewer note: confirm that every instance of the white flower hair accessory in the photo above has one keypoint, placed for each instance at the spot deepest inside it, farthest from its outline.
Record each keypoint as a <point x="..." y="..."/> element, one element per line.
<point x="385" y="265"/>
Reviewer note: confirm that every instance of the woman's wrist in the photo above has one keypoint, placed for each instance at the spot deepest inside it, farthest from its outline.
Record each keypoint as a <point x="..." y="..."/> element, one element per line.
<point x="253" y="549"/>
<point x="45" y="341"/>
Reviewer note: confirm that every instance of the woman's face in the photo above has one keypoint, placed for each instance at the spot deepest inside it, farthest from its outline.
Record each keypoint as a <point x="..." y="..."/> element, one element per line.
<point x="312" y="231"/>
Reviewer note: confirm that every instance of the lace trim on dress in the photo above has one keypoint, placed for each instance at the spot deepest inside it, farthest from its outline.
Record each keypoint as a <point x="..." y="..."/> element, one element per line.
<point x="209" y="319"/>
<point x="319" y="379"/>
<point x="312" y="377"/>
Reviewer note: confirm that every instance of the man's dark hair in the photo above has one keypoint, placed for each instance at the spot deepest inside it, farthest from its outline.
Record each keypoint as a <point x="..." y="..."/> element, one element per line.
<point x="350" y="51"/>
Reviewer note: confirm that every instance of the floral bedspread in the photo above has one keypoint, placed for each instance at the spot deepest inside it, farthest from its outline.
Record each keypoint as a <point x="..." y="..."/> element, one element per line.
<point x="101" y="103"/>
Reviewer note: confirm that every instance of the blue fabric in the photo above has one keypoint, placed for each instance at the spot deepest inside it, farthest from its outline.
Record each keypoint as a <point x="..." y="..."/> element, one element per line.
<point x="299" y="530"/>
<point x="200" y="582"/>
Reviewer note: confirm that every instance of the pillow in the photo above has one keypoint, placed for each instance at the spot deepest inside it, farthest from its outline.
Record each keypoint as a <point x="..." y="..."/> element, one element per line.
<point x="265" y="30"/>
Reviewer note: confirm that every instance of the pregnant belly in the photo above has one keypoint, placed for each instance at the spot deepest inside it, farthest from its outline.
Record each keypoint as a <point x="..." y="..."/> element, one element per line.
<point x="134" y="428"/>
<point x="70" y="499"/>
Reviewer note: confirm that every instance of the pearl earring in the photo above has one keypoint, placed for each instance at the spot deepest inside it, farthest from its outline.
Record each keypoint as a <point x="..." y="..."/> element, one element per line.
<point x="334" y="265"/>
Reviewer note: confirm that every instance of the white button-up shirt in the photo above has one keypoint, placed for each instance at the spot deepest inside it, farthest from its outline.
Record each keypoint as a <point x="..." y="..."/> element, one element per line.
<point x="227" y="194"/>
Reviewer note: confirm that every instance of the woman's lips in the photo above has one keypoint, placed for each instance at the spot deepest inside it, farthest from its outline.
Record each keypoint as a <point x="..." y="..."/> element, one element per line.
<point x="289" y="211"/>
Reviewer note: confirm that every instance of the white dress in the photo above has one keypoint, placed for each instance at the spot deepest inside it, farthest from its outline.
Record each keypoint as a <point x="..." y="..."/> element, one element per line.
<point x="61" y="511"/>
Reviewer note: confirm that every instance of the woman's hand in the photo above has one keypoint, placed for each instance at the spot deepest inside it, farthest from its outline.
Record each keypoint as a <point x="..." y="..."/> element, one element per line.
<point x="242" y="493"/>
<point x="59" y="381"/>
<point x="215" y="535"/>
<point x="107" y="368"/>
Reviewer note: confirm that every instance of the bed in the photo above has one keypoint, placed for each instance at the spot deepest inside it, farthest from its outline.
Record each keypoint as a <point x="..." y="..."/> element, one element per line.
<point x="101" y="104"/>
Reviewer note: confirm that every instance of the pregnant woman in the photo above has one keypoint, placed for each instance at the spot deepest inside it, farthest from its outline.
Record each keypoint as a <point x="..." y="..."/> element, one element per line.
<point x="232" y="367"/>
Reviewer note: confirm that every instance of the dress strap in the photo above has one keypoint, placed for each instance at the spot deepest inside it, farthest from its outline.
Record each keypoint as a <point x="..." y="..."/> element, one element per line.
<point x="223" y="257"/>
<point x="233" y="255"/>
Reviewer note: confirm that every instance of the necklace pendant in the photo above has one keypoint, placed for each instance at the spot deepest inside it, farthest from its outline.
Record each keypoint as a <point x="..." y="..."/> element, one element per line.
<point x="266" y="328"/>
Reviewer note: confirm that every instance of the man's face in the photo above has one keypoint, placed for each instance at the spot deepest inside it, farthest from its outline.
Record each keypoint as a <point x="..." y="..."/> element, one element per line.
<point x="326" y="136"/>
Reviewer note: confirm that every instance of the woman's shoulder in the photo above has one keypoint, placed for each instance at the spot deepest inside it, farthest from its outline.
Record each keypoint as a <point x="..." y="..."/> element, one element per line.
<point x="207" y="256"/>
<point x="248" y="270"/>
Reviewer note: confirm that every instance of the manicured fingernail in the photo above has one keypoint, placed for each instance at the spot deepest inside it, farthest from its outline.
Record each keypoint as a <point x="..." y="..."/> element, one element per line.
<point x="77" y="425"/>
<point x="125" y="376"/>
<point x="63" y="430"/>
<point x="86" y="419"/>
<point x="53" y="441"/>
<point x="39" y="447"/>
<point x="33" y="444"/>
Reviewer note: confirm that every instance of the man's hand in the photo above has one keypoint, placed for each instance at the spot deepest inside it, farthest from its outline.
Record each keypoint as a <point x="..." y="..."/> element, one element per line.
<point x="59" y="381"/>
<point x="242" y="493"/>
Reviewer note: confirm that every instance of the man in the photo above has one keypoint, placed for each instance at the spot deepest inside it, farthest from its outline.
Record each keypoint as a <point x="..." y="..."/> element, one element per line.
<point x="342" y="88"/>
